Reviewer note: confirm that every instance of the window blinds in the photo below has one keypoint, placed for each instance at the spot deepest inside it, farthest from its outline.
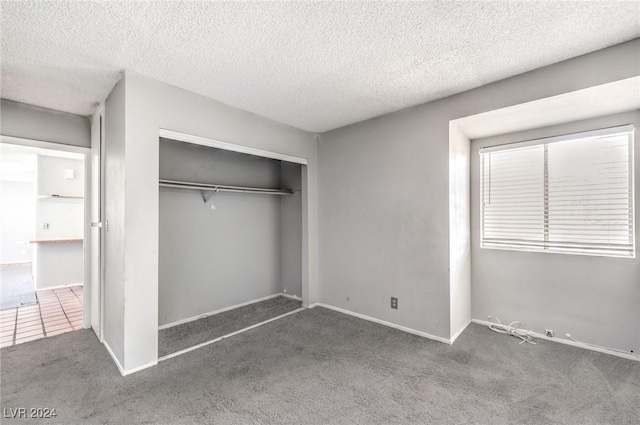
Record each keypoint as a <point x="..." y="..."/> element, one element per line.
<point x="571" y="194"/>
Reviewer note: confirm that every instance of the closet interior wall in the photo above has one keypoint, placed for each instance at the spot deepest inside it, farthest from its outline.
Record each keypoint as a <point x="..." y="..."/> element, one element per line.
<point x="233" y="248"/>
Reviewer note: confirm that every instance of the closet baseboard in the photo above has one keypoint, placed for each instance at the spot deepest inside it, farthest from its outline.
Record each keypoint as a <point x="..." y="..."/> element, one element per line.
<point x="222" y="310"/>
<point x="293" y="297"/>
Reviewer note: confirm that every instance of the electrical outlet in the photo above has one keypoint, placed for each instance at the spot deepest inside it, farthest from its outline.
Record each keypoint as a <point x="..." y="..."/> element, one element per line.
<point x="549" y="333"/>
<point x="394" y="302"/>
<point x="45" y="226"/>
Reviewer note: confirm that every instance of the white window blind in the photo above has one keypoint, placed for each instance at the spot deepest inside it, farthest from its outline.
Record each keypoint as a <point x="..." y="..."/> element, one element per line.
<point x="569" y="194"/>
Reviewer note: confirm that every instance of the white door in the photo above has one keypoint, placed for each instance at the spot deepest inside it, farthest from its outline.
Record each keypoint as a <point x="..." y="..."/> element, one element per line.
<point x="97" y="241"/>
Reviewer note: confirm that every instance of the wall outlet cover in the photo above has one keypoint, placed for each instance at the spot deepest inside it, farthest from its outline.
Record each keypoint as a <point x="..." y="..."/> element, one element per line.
<point x="394" y="303"/>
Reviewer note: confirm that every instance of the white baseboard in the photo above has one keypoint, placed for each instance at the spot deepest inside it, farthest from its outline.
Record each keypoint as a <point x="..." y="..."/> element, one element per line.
<point x="124" y="372"/>
<point x="139" y="368"/>
<point x="18" y="264"/>
<point x="599" y="349"/>
<point x="457" y="334"/>
<point x="48" y="288"/>
<point x="383" y="322"/>
<point x="293" y="297"/>
<point x="222" y="310"/>
<point x="204" y="344"/>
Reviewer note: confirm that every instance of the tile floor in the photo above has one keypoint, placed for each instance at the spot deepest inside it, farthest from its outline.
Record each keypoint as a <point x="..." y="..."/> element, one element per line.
<point x="58" y="311"/>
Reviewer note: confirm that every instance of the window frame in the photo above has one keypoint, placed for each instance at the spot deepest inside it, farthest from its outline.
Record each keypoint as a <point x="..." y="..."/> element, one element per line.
<point x="628" y="129"/>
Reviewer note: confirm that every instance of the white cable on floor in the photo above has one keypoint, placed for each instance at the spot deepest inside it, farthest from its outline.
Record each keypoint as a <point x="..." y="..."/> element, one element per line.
<point x="512" y="329"/>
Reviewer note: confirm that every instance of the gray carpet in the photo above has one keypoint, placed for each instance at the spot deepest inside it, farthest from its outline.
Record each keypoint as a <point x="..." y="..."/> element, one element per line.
<point x="187" y="335"/>
<point x="17" y="287"/>
<point x="322" y="367"/>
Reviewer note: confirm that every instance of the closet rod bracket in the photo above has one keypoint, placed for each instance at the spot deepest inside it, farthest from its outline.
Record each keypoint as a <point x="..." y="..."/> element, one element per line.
<point x="206" y="195"/>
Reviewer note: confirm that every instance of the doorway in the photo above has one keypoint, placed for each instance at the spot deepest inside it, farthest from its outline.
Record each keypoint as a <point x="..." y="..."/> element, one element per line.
<point x="42" y="244"/>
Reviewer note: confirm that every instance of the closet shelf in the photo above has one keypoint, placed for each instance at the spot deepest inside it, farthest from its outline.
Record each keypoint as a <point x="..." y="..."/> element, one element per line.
<point x="222" y="188"/>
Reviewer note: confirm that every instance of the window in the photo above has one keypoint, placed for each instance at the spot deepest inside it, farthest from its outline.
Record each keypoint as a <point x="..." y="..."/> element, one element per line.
<point x="567" y="194"/>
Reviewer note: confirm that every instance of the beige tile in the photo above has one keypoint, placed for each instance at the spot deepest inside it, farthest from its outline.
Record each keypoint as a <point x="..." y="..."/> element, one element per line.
<point x="22" y="335"/>
<point x="52" y="313"/>
<point x="8" y="338"/>
<point x="48" y="324"/>
<point x="28" y="323"/>
<point x="7" y="325"/>
<point x="29" y="338"/>
<point x="28" y="329"/>
<point x="29" y="313"/>
<point x="6" y="332"/>
<point x="62" y="331"/>
<point x="57" y="327"/>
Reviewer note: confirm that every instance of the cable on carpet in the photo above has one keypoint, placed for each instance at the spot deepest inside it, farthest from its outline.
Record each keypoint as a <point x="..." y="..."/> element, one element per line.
<point x="512" y="329"/>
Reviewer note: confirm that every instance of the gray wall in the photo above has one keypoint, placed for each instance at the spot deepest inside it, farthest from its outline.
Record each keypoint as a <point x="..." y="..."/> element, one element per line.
<point x="211" y="259"/>
<point x="384" y="193"/>
<point x="32" y="122"/>
<point x="291" y="230"/>
<point x="595" y="299"/>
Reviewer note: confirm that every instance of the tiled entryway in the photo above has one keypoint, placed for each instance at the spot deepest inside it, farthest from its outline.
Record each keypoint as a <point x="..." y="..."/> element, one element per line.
<point x="58" y="311"/>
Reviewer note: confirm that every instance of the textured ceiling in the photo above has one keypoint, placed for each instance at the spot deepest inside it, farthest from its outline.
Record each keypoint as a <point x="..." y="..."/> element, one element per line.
<point x="316" y="66"/>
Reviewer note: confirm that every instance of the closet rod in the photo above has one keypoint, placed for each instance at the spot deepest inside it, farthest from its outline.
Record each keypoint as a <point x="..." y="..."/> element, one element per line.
<point x="222" y="188"/>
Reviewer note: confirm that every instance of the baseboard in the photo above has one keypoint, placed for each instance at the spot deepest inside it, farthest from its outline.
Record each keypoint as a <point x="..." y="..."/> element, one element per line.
<point x="222" y="310"/>
<point x="48" y="288"/>
<point x="585" y="346"/>
<point x="383" y="322"/>
<point x="139" y="368"/>
<point x="457" y="334"/>
<point x="213" y="341"/>
<point x="293" y="297"/>
<point x="124" y="372"/>
<point x="24" y="263"/>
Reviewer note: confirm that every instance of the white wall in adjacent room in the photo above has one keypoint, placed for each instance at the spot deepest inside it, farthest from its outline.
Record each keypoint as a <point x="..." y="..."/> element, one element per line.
<point x="17" y="216"/>
<point x="64" y="216"/>
<point x="17" y="203"/>
<point x="59" y="264"/>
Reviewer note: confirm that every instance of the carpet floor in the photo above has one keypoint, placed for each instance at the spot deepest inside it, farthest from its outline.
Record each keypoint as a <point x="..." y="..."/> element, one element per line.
<point x="189" y="334"/>
<point x="322" y="367"/>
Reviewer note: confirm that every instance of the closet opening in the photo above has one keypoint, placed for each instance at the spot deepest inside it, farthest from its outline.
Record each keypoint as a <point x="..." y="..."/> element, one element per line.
<point x="230" y="243"/>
